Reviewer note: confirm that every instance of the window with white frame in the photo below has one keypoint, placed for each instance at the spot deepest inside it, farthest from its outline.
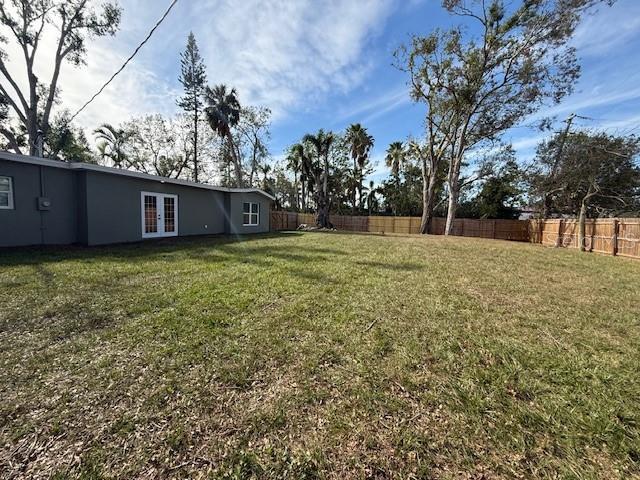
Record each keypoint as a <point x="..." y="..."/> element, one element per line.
<point x="6" y="193"/>
<point x="250" y="213"/>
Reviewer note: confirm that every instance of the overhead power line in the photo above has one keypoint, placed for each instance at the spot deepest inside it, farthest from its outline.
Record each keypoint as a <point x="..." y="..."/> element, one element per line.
<point x="146" y="39"/>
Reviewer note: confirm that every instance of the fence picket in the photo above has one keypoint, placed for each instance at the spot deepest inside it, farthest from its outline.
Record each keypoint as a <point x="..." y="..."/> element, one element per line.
<point x="619" y="236"/>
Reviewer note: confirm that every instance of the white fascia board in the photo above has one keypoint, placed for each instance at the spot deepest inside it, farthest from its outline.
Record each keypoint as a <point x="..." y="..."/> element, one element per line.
<point x="12" y="157"/>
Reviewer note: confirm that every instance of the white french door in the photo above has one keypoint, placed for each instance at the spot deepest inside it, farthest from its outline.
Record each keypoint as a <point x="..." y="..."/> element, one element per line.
<point x="159" y="215"/>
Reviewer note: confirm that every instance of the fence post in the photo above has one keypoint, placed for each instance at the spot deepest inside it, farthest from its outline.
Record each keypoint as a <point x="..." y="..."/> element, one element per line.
<point x="493" y="232"/>
<point x="614" y="238"/>
<point x="559" y="239"/>
<point x="541" y="224"/>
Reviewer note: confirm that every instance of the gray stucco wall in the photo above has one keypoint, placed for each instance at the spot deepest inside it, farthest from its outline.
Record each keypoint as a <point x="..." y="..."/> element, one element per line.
<point x="114" y="209"/>
<point x="25" y="224"/>
<point x="95" y="208"/>
<point x="236" y="199"/>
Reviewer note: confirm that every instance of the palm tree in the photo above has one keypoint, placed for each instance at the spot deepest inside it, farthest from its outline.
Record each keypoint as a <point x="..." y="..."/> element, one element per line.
<point x="295" y="162"/>
<point x="112" y="143"/>
<point x="308" y="183"/>
<point x="360" y="144"/>
<point x="394" y="159"/>
<point x="371" y="197"/>
<point x="266" y="183"/>
<point x="321" y="143"/>
<point x="223" y="113"/>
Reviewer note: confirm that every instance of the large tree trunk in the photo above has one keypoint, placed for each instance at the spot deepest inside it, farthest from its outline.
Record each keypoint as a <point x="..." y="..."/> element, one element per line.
<point x="325" y="176"/>
<point x="295" y="184"/>
<point x="353" y="200"/>
<point x="394" y="206"/>
<point x="451" y="209"/>
<point x="32" y="134"/>
<point x="582" y="220"/>
<point x="454" y="192"/>
<point x="237" y="165"/>
<point x="429" y="181"/>
<point x="322" y="215"/>
<point x="353" y="186"/>
<point x="426" y="217"/>
<point x="254" y="164"/>
<point x="304" y="195"/>
<point x="322" y="218"/>
<point x="322" y="203"/>
<point x="238" y="173"/>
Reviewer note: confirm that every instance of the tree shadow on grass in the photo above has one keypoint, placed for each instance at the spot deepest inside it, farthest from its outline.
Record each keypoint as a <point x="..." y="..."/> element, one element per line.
<point x="267" y="255"/>
<point x="170" y="248"/>
<point x="44" y="274"/>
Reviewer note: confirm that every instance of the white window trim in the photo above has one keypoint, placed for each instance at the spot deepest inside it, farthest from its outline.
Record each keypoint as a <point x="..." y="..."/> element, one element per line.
<point x="251" y="215"/>
<point x="10" y="205"/>
<point x="160" y="198"/>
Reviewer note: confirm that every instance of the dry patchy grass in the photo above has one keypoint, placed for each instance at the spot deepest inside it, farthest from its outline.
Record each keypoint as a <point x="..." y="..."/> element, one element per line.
<point x="319" y="356"/>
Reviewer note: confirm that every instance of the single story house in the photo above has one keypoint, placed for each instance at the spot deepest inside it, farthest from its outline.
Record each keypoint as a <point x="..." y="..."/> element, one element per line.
<point x="48" y="202"/>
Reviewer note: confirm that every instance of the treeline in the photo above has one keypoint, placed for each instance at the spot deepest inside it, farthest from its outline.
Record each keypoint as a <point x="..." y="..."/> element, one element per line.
<point x="215" y="138"/>
<point x="498" y="68"/>
<point x="501" y="66"/>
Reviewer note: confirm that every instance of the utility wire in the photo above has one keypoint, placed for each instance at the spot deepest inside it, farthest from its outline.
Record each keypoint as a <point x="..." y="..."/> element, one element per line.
<point x="126" y="61"/>
<point x="629" y="130"/>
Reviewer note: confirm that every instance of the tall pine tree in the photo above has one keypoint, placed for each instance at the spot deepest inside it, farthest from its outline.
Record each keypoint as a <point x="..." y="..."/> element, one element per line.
<point x="193" y="78"/>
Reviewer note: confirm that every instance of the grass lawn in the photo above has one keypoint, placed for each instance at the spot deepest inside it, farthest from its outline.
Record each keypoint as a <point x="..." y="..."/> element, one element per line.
<point x="319" y="356"/>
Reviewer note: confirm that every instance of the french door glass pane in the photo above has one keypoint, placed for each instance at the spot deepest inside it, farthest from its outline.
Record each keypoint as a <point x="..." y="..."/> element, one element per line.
<point x="150" y="214"/>
<point x="169" y="214"/>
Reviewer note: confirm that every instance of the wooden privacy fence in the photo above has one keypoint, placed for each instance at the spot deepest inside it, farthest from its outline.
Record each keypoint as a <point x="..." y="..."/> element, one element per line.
<point x="516" y="230"/>
<point x="613" y="236"/>
<point x="284" y="220"/>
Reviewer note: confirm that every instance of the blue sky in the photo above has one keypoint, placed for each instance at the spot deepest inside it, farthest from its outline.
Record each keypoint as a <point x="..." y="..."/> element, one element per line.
<point x="328" y="63"/>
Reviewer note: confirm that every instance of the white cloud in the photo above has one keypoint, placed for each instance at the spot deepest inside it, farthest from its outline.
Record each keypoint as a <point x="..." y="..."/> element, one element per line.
<point x="289" y="54"/>
<point x="624" y="126"/>
<point x="608" y="28"/>
<point x="282" y="54"/>
<point x="138" y="92"/>
<point x="377" y="105"/>
<point x="591" y="98"/>
<point x="527" y="143"/>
